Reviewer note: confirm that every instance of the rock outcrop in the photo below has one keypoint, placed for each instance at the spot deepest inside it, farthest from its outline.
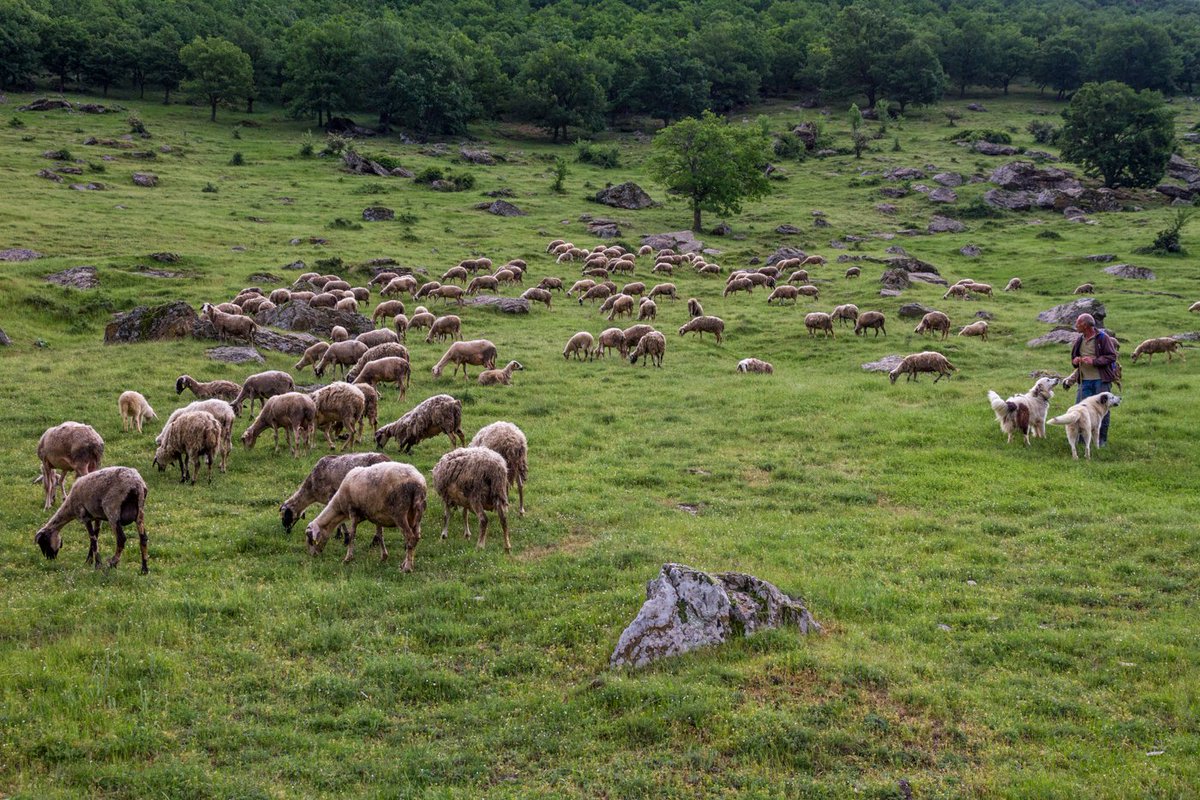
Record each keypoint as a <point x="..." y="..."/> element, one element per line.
<point x="75" y="277"/>
<point x="1130" y="272"/>
<point x="1066" y="313"/>
<point x="317" y="321"/>
<point x="627" y="195"/>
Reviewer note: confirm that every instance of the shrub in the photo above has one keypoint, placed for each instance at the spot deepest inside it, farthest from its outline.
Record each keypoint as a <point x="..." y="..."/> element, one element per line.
<point x="560" y="175"/>
<point x="981" y="134"/>
<point x="334" y="145"/>
<point x="97" y="166"/>
<point x="209" y="188"/>
<point x="407" y="218"/>
<point x="461" y="181"/>
<point x="1043" y="132"/>
<point x="975" y="209"/>
<point x="237" y="133"/>
<point x="306" y="145"/>
<point x="16" y="122"/>
<point x="387" y="162"/>
<point x="428" y="175"/>
<point x="330" y="264"/>
<point x="1048" y="235"/>
<point x="1167" y="241"/>
<point x="789" y="146"/>
<point x="895" y="144"/>
<point x="604" y="157"/>
<point x="237" y="160"/>
<point x="343" y="224"/>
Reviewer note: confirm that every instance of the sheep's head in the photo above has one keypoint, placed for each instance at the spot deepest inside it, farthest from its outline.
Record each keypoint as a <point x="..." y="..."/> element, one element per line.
<point x="381" y="438"/>
<point x="288" y="517"/>
<point x="314" y="539"/>
<point x="437" y="371"/>
<point x="894" y="374"/>
<point x="49" y="541"/>
<point x="180" y="383"/>
<point x="160" y="459"/>
<point x="247" y="441"/>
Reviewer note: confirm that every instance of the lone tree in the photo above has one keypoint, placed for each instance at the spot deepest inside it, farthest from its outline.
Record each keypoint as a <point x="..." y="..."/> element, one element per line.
<point x="1124" y="136"/>
<point x="714" y="164"/>
<point x="218" y="70"/>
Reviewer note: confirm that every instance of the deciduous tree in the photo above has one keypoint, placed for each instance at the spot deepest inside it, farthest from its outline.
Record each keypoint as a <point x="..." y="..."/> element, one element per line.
<point x="1124" y="136"/>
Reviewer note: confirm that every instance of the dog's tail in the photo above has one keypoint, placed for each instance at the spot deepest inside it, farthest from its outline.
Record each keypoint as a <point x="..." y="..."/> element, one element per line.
<point x="1070" y="418"/>
<point x="1001" y="406"/>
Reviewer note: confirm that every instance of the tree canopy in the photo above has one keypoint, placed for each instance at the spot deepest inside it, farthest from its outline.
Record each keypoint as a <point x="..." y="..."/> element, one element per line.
<point x="1124" y="136"/>
<point x="217" y="70"/>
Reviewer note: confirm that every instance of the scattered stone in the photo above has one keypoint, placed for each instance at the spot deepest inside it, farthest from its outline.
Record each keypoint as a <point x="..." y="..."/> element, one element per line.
<point x="147" y="179"/>
<point x="1013" y="201"/>
<point x="886" y="208"/>
<point x="75" y="277"/>
<point x="357" y="165"/>
<point x="989" y="149"/>
<point x="943" y="195"/>
<point x="885" y="364"/>
<point x="69" y="170"/>
<point x="49" y="175"/>
<point x="1130" y="272"/>
<point x="889" y="292"/>
<point x="1190" y="336"/>
<point x="910" y="264"/>
<point x="166" y="258"/>
<point x="19" y="254"/>
<point x="817" y="213"/>
<point x="1066" y="313"/>
<point x="628" y="196"/>
<point x="895" y="279"/>
<point x="4" y="340"/>
<point x="837" y="244"/>
<point x="234" y="355"/>
<point x="1023" y="175"/>
<point x="950" y="179"/>
<point x="301" y="316"/>
<point x="893" y="192"/>
<point x="1040" y="155"/>
<point x="505" y="305"/>
<point x="45" y="104"/>
<point x="147" y="272"/>
<point x="604" y="228"/>
<point x="174" y="320"/>
<point x="820" y="222"/>
<point x="347" y="127"/>
<point x="96" y="108"/>
<point x="88" y="187"/>
<point x="686" y="609"/>
<point x="904" y="174"/>
<point x="505" y="192"/>
<point x="922" y="188"/>
<point x="785" y="253"/>
<point x="946" y="225"/>
<point x="976" y="107"/>
<point x="481" y="157"/>
<point x="165" y="148"/>
<point x="806" y="132"/>
<point x="378" y="214"/>
<point x="914" y="310"/>
<point x="264" y="277"/>
<point x="722" y="229"/>
<point x="896" y="250"/>
<point x="1181" y="169"/>
<point x="928" y="277"/>
<point x="1060" y="336"/>
<point x="788" y="230"/>
<point x="679" y="241"/>
<point x="981" y="314"/>
<point x="503" y="208"/>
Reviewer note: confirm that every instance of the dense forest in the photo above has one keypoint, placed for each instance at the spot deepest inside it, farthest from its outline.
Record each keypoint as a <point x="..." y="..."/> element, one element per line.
<point x="432" y="67"/>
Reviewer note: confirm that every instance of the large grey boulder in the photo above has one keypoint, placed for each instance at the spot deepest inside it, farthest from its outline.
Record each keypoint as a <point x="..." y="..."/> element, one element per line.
<point x="264" y="339"/>
<point x="990" y="149"/>
<point x="174" y="320"/>
<point x="1054" y="337"/>
<point x="895" y="279"/>
<point x="949" y="179"/>
<point x="234" y="355"/>
<point x="1067" y="313"/>
<point x="943" y="195"/>
<point x="505" y="305"/>
<point x="1026" y="176"/>
<point x="904" y="174"/>
<point x="1013" y="201"/>
<point x="928" y="277"/>
<point x="300" y="316"/>
<point x="885" y="364"/>
<point x="75" y="277"/>
<point x="1181" y="169"/>
<point x="946" y="225"/>
<point x="1131" y="272"/>
<point x="686" y="609"/>
<point x="627" y="195"/>
<point x="913" y="310"/>
<point x="679" y="241"/>
<point x="378" y="214"/>
<point x="477" y="156"/>
<point x="911" y="264"/>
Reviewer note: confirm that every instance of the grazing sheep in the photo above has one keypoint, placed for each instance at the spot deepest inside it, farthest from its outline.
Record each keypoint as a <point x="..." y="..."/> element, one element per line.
<point x="738" y="285"/>
<point x="439" y="414"/>
<point x="294" y="412"/>
<point x="323" y="300"/>
<point x="338" y="334"/>
<point x="311" y="356"/>
<point x="663" y="268"/>
<point x="482" y="283"/>
<point x="634" y="334"/>
<point x="635" y="289"/>
<point x="377" y="337"/>
<point x="648" y="309"/>
<point x="870" y="319"/>
<point x="799" y="276"/>
<point x="703" y="325"/>
<point x="1013" y="285"/>
<point x="427" y="290"/>
<point x="340" y="408"/>
<point x="610" y="338"/>
<point x="505" y="276"/>
<point x="1149" y="347"/>
<point x="448" y="293"/>
<point x="813" y="260"/>
<point x="755" y="365"/>
<point x="536" y="294"/>
<point x="389" y="369"/>
<point x="1194" y="307"/>
<point x="580" y="286"/>
<point x="758" y="279"/>
<point x="957" y="290"/>
<point x="342" y="355"/>
<point x="499" y="377"/>
<point x="708" y="269"/>
<point x="934" y="321"/>
<point x="322" y="484"/>
<point x="336" y="283"/>
<point x="116" y="495"/>
<point x="622" y="306"/>
<point x="134" y="409"/>
<point x="228" y="308"/>
<point x="664" y="290"/>
<point x="549" y="283"/>
<point x="383" y="278"/>
<point x="362" y="294"/>
<point x="651" y="346"/>
<point x="222" y="390"/>
<point x="370" y="409"/>
<point x="853" y="272"/>
<point x="263" y="385"/>
<point x="69" y="447"/>
<point x="927" y="361"/>
<point x="388" y="308"/>
<point x="280" y="296"/>
<point x="388" y="495"/>
<point x="401" y="323"/>
<point x="645" y="250"/>
<point x="421" y="319"/>
<point x="185" y="439"/>
<point x="404" y="283"/>
<point x="473" y="479"/>
<point x="1024" y="413"/>
<point x="385" y="350"/>
<point x="348" y="304"/>
<point x="219" y="410"/>
<point x="580" y="345"/>
<point x="980" y="288"/>
<point x="455" y="274"/>
<point x="598" y="292"/>
<point x="694" y="308"/>
<point x="476" y="352"/>
<point x="782" y="293"/>
<point x="846" y="313"/>
<point x="228" y="325"/>
<point x="1084" y="288"/>
<point x="509" y="441"/>
<point x="819" y="321"/>
<point x="979" y="329"/>
<point x="447" y="327"/>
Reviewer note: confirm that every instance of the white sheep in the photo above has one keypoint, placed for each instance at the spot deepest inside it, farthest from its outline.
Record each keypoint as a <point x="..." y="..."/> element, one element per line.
<point x="580" y="345"/>
<point x="264" y="385"/>
<point x="134" y="409"/>
<point x="474" y="479"/>
<point x="979" y="329"/>
<point x="185" y="440"/>
<point x="509" y="441"/>
<point x="219" y="410"/>
<point x="1148" y="348"/>
<point x="702" y="325"/>
<point x="819" y="321"/>
<point x="934" y="321"/>
<point x="755" y="365"/>
<point x="651" y="346"/>
<point x="476" y="352"/>
<point x="1013" y="285"/>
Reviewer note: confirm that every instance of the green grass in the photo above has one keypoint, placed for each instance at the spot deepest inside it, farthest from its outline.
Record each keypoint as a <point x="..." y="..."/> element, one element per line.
<point x="241" y="667"/>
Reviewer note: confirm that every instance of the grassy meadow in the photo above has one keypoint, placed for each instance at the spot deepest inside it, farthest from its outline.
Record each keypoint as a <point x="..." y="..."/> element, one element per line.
<point x="1000" y="621"/>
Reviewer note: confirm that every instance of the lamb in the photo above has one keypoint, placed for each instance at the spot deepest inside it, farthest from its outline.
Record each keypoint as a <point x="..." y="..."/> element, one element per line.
<point x="819" y="321"/>
<point x="610" y="338"/>
<point x="1084" y="288"/>
<point x="338" y="334"/>
<point x="957" y="290"/>
<point x="370" y="409"/>
<point x="385" y="350"/>
<point x="505" y="276"/>
<point x="455" y="274"/>
<point x="1013" y="285"/>
<point x="340" y="408"/>
<point x="979" y="328"/>
<point x="549" y="283"/>
<point x="536" y="294"/>
<point x="473" y="479"/>
<point x="694" y="308"/>
<point x="1164" y="344"/>
<point x="580" y="345"/>
<point x="69" y="447"/>
<point x="702" y="325"/>
<point x="499" y="377"/>
<point x="311" y="356"/>
<point x="448" y="293"/>
<point x="186" y="439"/>
<point x="597" y="292"/>
<point x="580" y="286"/>
<point x="846" y="313"/>
<point x="622" y="307"/>
<point x="439" y="414"/>
<point x="134" y="409"/>
<point x="447" y="327"/>
<point x="388" y="308"/>
<point x="651" y="346"/>
<point x="755" y="365"/>
<point x="476" y="352"/>
<point x="341" y="354"/>
<point x="853" y="272"/>
<point x="738" y="285"/>
<point x="1024" y="413"/>
<point x="481" y="283"/>
<point x="782" y="293"/>
<point x="664" y="290"/>
<point x="388" y="495"/>
<point x="296" y="413"/>
<point x="870" y="319"/>
<point x="229" y="324"/>
<point x="927" y="361"/>
<point x="509" y="441"/>
<point x="219" y="410"/>
<point x="389" y="369"/>
<point x="263" y="385"/>
<point x="222" y="390"/>
<point x="116" y="495"/>
<point x="322" y="484"/>
<point x="934" y="321"/>
<point x="648" y="309"/>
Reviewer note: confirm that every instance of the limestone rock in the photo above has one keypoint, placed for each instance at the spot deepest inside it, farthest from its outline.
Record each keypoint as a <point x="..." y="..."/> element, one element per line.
<point x="1066" y="313"/>
<point x="45" y="104"/>
<point x="1181" y="169"/>
<point x="895" y="279"/>
<point x="1102" y="258"/>
<point x="893" y="192"/>
<point x="19" y="254"/>
<point x="946" y="225"/>
<point x="234" y="355"/>
<point x="1131" y="272"/>
<point x="166" y="258"/>
<point x="970" y="250"/>
<point x="788" y="230"/>
<point x="928" y="277"/>
<point x="976" y="107"/>
<point x="378" y="214"/>
<point x="50" y="175"/>
<point x="984" y="315"/>
<point x="679" y="241"/>
<point x="300" y="316"/>
<point x="477" y="156"/>
<point x="505" y="305"/>
<point x="1011" y="200"/>
<point x="604" y="228"/>
<point x="4" y="340"/>
<point x="76" y="277"/>
<point x="1061" y="336"/>
<point x="885" y="364"/>
<point x="687" y="609"/>
<point x="503" y="208"/>
<point x="784" y="253"/>
<point x="943" y="195"/>
<point x="147" y="179"/>
<point x="90" y="186"/>
<point x="913" y="310"/>
<point x="886" y="208"/>
<point x="950" y="179"/>
<point x="174" y="320"/>
<point x="628" y="196"/>
<point x="910" y="264"/>
<point x="989" y="149"/>
<point x="904" y="174"/>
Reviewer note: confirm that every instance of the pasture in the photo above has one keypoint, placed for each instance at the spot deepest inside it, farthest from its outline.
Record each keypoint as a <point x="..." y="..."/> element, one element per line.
<point x="999" y="620"/>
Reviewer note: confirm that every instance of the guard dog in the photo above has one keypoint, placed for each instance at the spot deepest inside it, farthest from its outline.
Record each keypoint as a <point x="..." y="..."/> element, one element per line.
<point x="1083" y="419"/>
<point x="1025" y="413"/>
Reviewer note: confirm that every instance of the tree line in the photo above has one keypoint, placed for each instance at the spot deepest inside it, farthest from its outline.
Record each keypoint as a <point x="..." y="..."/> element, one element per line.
<point x="432" y="67"/>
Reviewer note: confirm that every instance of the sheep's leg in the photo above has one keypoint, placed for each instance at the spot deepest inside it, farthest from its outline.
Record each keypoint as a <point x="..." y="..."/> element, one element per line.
<point x="142" y="540"/>
<point x="119" y="532"/>
<point x="93" y="529"/>
<point x="483" y="526"/>
<point x="195" y="462"/>
<point x="503" y="515"/>
<point x="328" y="438"/>
<point x="275" y="449"/>
<point x="182" y="467"/>
<point x="412" y="535"/>
<point x="383" y="556"/>
<point x="445" y="520"/>
<point x="209" y="457"/>
<point x="467" y="525"/>
<point x="350" y="540"/>
<point x="521" y="494"/>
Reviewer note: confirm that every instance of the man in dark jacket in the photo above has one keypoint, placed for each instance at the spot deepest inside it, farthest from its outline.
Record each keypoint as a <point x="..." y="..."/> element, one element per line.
<point x="1094" y="355"/>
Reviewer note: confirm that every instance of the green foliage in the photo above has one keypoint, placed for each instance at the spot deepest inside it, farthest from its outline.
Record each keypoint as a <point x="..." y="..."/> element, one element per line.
<point x="1138" y="53"/>
<point x="238" y="160"/>
<point x="343" y="224"/>
<point x="97" y="166"/>
<point x="980" y="134"/>
<point x="335" y="144"/>
<point x="1043" y="132"/>
<point x="210" y="188"/>
<point x="218" y="71"/>
<point x="896" y="144"/>
<point x="560" y="175"/>
<point x="854" y="117"/>
<point x="318" y="62"/>
<point x="1168" y="241"/>
<point x="428" y="175"/>
<point x="1050" y="235"/>
<point x="1126" y="137"/>
<point x="914" y="76"/>
<point x="462" y="181"/>
<point x="558" y="87"/>
<point x="16" y="122"/>
<point x="237" y="133"/>
<point x="136" y="126"/>
<point x="605" y="157"/>
<point x="859" y="141"/>
<point x="306" y="145"/>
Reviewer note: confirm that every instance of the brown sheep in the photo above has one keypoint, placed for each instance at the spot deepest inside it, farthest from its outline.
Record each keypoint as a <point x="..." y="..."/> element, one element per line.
<point x="536" y="294"/>
<point x="69" y="447"/>
<point x="311" y="356"/>
<point x="388" y="308"/>
<point x="738" y="285"/>
<point x="370" y="409"/>
<point x="928" y="361"/>
<point x="439" y="414"/>
<point x="476" y="352"/>
<point x="186" y="439"/>
<point x="934" y="321"/>
<point x="800" y="276"/>
<point x="116" y="495"/>
<point x="648" y="309"/>
<point x="455" y="274"/>
<point x="819" y="321"/>
<point x="1084" y="288"/>
<point x="597" y="292"/>
<point x="482" y="283"/>
<point x="341" y="355"/>
<point x="322" y="484"/>
<point x="228" y="325"/>
<point x="219" y="410"/>
<point x="473" y="479"/>
<point x="979" y="329"/>
<point x="651" y="346"/>
<point x="385" y="350"/>
<point x="340" y="408"/>
<point x="263" y="385"/>
<point x="338" y="334"/>
<point x="1013" y="285"/>
<point x="549" y="283"/>
<point x="580" y="345"/>
<point x="610" y="338"/>
<point x="499" y="377"/>
<point x="846" y="313"/>
<point x="870" y="319"/>
<point x="702" y="325"/>
<point x="694" y="308"/>
<point x="664" y="290"/>
<point x="782" y="293"/>
<point x="1148" y="348"/>
<point x="853" y="272"/>
<point x="296" y="413"/>
<point x="622" y="306"/>
<point x="447" y="327"/>
<point x="580" y="287"/>
<point x="448" y="293"/>
<point x="389" y="369"/>
<point x="509" y="441"/>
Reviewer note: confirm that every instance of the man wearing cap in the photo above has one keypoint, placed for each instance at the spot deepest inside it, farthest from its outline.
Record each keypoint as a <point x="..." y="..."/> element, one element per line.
<point x="1094" y="356"/>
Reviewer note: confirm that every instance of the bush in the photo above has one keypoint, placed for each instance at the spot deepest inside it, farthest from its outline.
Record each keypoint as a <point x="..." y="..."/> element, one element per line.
<point x="789" y="146"/>
<point x="560" y="175"/>
<point x="407" y="218"/>
<point x="343" y="224"/>
<point x="603" y="157"/>
<point x="975" y="209"/>
<point x="462" y="180"/>
<point x="1055" y="235"/>
<point x="981" y="134"/>
<point x="1167" y="241"/>
<point x="334" y="145"/>
<point x="237" y="133"/>
<point x="387" y="162"/>
<point x="16" y="122"/>
<point x="97" y="166"/>
<point x="428" y="175"/>
<point x="238" y="160"/>
<point x="330" y="264"/>
<point x="136" y="125"/>
<point x="209" y="188"/>
<point x="306" y="145"/>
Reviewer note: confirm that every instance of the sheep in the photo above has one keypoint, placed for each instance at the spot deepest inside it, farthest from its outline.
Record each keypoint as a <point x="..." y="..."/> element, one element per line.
<point x="663" y="268"/>
<point x="388" y="495"/>
<point x="116" y="495"/>
<point x="473" y="479"/>
<point x="957" y="290"/>
<point x="505" y="276"/>
<point x="263" y="385"/>
<point x="228" y="325"/>
<point x="800" y="276"/>
<point x="69" y="447"/>
<point x="597" y="292"/>
<point x="322" y="484"/>
<point x="481" y="283"/>
<point x="853" y="272"/>
<point x="362" y="294"/>
<point x="385" y="350"/>
<point x="455" y="274"/>
<point x="648" y="309"/>
<point x="336" y="283"/>
<point x="1194" y="307"/>
<point x="1149" y="347"/>
<point x="370" y="409"/>
<point x="549" y="283"/>
<point x="280" y="296"/>
<point x="622" y="265"/>
<point x="663" y="290"/>
<point x="427" y="290"/>
<point x="738" y="285"/>
<point x="388" y="308"/>
<point x="536" y="294"/>
<point x="635" y="289"/>
<point x="134" y="409"/>
<point x="296" y="413"/>
<point x="340" y="408"/>
<point x="401" y="323"/>
<point x="755" y="365"/>
<point x="389" y="369"/>
<point x="633" y="335"/>
<point x="580" y="286"/>
<point x="580" y="345"/>
<point x="448" y="293"/>
<point x="622" y="307"/>
<point x="349" y="305"/>
<point x="228" y="308"/>
<point x="307" y="277"/>
<point x="979" y="328"/>
<point x="499" y="377"/>
<point x="223" y="390"/>
<point x="186" y="439"/>
<point x="517" y="264"/>
<point x="383" y="278"/>
<point x="476" y="352"/>
<point x="1084" y="288"/>
<point x="782" y="293"/>
<point x="447" y="327"/>
<point x="819" y="321"/>
<point x="934" y="321"/>
<point x="421" y="319"/>
<point x="810" y="260"/>
<point x="323" y="300"/>
<point x="341" y="354"/>
<point x="219" y="410"/>
<point x="1013" y="285"/>
<point x="610" y="338"/>
<point x="694" y="308"/>
<point x="870" y="319"/>
<point x="758" y="279"/>
<point x="651" y="346"/>
<point x="845" y="313"/>
<point x="338" y="334"/>
<point x="927" y="361"/>
<point x="299" y="297"/>
<point x="311" y="356"/>
<point x="708" y="269"/>
<point x="980" y="288"/>
<point x="404" y="283"/>
<point x="702" y="325"/>
<point x="439" y="414"/>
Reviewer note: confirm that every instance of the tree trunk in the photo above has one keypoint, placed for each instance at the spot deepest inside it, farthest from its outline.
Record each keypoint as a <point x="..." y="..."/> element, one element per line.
<point x="871" y="96"/>
<point x="1006" y="87"/>
<point x="166" y="95"/>
<point x="696" y="216"/>
<point x="213" y="117"/>
<point x="141" y="90"/>
<point x="249" y="105"/>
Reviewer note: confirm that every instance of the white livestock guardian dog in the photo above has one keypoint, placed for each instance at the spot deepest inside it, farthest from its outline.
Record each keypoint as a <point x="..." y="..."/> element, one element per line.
<point x="1083" y="419"/>
<point x="1025" y="413"/>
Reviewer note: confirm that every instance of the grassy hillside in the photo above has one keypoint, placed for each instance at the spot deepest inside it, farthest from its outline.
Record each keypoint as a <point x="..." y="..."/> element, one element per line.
<point x="1000" y="621"/>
